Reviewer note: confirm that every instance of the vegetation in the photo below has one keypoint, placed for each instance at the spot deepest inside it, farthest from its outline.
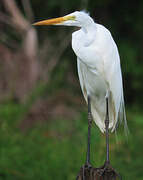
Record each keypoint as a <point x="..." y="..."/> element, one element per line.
<point x="42" y="112"/>
<point x="57" y="148"/>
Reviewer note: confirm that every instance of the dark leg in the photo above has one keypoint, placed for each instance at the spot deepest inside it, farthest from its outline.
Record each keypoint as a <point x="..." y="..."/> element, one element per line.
<point x="107" y="132"/>
<point x="85" y="170"/>
<point x="89" y="132"/>
<point x="107" y="172"/>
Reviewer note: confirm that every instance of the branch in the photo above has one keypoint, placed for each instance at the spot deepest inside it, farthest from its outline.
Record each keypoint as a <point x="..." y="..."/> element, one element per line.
<point x="30" y="36"/>
<point x="17" y="17"/>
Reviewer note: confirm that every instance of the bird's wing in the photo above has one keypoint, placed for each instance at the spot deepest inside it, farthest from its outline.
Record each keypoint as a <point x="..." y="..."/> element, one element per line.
<point x="118" y="96"/>
<point x="99" y="71"/>
<point x="114" y="79"/>
<point x="93" y="85"/>
<point x="81" y="78"/>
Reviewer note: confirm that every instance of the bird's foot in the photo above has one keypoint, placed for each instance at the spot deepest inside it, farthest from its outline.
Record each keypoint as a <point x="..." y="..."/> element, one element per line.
<point x="85" y="172"/>
<point x="106" y="172"/>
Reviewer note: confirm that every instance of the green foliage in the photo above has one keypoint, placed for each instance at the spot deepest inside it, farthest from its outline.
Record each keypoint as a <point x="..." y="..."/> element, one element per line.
<point x="57" y="148"/>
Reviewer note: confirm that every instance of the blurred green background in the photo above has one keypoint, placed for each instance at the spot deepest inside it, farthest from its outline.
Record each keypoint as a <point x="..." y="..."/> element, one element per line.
<point x="43" y="116"/>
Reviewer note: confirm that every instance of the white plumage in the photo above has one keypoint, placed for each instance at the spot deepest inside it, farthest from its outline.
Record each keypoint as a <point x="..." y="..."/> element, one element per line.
<point x="99" y="72"/>
<point x="98" y="65"/>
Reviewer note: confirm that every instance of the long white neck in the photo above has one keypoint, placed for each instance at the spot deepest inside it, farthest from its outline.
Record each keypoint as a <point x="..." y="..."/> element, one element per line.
<point x="88" y="25"/>
<point x="90" y="33"/>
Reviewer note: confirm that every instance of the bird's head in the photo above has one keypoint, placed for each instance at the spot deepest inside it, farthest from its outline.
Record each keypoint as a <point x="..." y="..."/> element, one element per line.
<point x="77" y="18"/>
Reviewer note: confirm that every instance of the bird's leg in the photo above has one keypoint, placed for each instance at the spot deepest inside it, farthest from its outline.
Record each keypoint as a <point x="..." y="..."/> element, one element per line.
<point x="89" y="132"/>
<point x="86" y="168"/>
<point x="87" y="164"/>
<point x="107" y="132"/>
<point x="106" y="165"/>
<point x="106" y="171"/>
<point x="107" y="161"/>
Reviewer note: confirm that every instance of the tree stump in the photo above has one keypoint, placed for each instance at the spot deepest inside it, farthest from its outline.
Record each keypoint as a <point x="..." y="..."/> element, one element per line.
<point x="101" y="173"/>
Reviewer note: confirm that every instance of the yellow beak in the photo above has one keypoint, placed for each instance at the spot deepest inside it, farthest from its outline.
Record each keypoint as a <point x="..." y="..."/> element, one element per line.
<point x="54" y="21"/>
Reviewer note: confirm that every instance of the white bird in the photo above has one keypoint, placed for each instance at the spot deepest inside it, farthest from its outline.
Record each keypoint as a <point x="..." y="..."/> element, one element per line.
<point x="98" y="65"/>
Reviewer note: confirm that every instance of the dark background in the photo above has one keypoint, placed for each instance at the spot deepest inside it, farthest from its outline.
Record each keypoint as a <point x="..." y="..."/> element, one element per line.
<point x="43" y="116"/>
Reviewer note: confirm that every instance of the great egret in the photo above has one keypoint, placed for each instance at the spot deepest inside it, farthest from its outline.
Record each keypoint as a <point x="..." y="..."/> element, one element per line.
<point x="99" y="72"/>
